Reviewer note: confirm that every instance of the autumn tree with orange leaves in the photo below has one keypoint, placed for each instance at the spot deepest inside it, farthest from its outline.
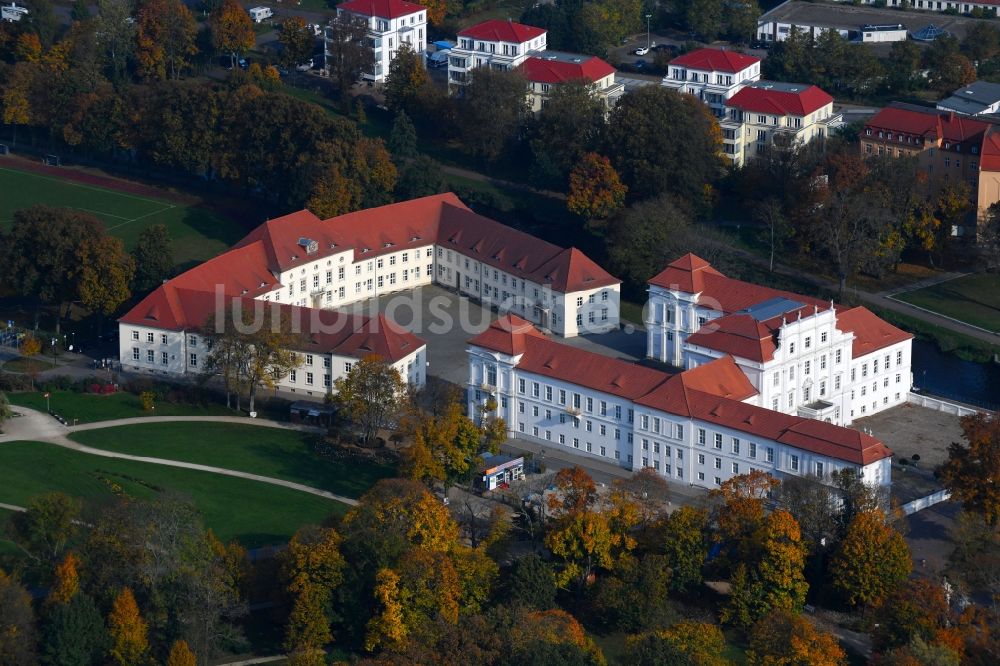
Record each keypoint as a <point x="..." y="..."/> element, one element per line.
<point x="165" y="38"/>
<point x="693" y="643"/>
<point x="595" y="190"/>
<point x="67" y="581"/>
<point x="129" y="633"/>
<point x="181" y="655"/>
<point x="871" y="561"/>
<point x="971" y="470"/>
<point x="435" y="10"/>
<point x="232" y="30"/>
<point x="741" y="512"/>
<point x="313" y="567"/>
<point x="786" y="639"/>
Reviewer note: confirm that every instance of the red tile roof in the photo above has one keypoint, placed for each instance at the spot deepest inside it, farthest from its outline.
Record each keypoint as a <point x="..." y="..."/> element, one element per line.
<point x="871" y="332"/>
<point x="738" y="334"/>
<point x="759" y="98"/>
<point x="990" y="152"/>
<point x="323" y="331"/>
<point x="496" y="30"/>
<point x="715" y="60"/>
<point x="930" y="124"/>
<point x="542" y="69"/>
<point x="713" y="392"/>
<point x="387" y="9"/>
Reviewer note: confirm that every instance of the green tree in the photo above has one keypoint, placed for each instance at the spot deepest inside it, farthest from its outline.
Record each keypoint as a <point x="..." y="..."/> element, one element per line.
<point x="902" y="66"/>
<point x="969" y="472"/>
<point x="420" y="177"/>
<point x="533" y="583"/>
<point x="636" y="597"/>
<point x="406" y="79"/>
<point x="982" y="41"/>
<point x="370" y="395"/>
<point x="684" y="542"/>
<point x="232" y="30"/>
<point x="297" y="41"/>
<point x="492" y="112"/>
<point x="45" y="529"/>
<point x="5" y="410"/>
<point x="74" y="633"/>
<point x="683" y="644"/>
<point x="871" y="561"/>
<point x="17" y="623"/>
<point x="80" y="11"/>
<point x="569" y="125"/>
<point x="665" y="142"/>
<point x="116" y="35"/>
<point x="952" y="71"/>
<point x="154" y="260"/>
<point x="403" y="137"/>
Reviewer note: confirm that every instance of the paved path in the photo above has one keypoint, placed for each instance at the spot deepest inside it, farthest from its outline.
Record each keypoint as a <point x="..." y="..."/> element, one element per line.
<point x="33" y="425"/>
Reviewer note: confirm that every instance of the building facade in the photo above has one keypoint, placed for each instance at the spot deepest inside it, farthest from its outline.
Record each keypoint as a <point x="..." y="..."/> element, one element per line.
<point x="699" y="426"/>
<point x="550" y="69"/>
<point x="391" y="24"/>
<point x="955" y="6"/>
<point x="803" y="356"/>
<point x="770" y="114"/>
<point x="945" y="145"/>
<point x="712" y="75"/>
<point x="503" y="45"/>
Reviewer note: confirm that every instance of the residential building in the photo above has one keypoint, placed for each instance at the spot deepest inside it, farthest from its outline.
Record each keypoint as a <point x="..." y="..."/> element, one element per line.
<point x="771" y="114"/>
<point x="310" y="266"/>
<point x="979" y="98"/>
<point x="803" y="356"/>
<point x="549" y="69"/>
<point x="498" y="44"/>
<point x="712" y="75"/>
<point x="945" y="144"/>
<point x="391" y="23"/>
<point x="700" y="426"/>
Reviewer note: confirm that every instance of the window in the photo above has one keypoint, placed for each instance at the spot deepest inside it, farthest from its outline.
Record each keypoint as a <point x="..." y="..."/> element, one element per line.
<point x="819" y="469"/>
<point x="808" y="342"/>
<point x="135" y="335"/>
<point x="718" y="463"/>
<point x="701" y="436"/>
<point x="718" y="441"/>
<point x="791" y="348"/>
<point x="736" y="445"/>
<point x="794" y="462"/>
<point x="150" y="356"/>
<point x="701" y="458"/>
<point x="309" y="359"/>
<point x="562" y="396"/>
<point x="291" y="376"/>
<point x="752" y="452"/>
<point x="149" y="338"/>
<point x="822" y="337"/>
<point x="736" y="468"/>
<point x="135" y="353"/>
<point x="769" y="457"/>
<point x="899" y="357"/>
<point x="548" y="392"/>
<point x="193" y="360"/>
<point x="309" y="378"/>
<point x="520" y="386"/>
<point x="836" y="356"/>
<point x="348" y="366"/>
<point x="164" y="358"/>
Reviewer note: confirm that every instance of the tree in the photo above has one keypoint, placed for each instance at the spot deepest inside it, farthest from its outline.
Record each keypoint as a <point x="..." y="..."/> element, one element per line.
<point x="420" y="177"/>
<point x="636" y="597"/>
<point x="645" y="236"/>
<point x="5" y="410"/>
<point x="583" y="541"/>
<point x="982" y="41"/>
<point x="348" y="55"/>
<point x="405" y="80"/>
<point x="569" y="125"/>
<point x="67" y="581"/>
<point x="106" y="272"/>
<point x="684" y="643"/>
<point x="370" y="395"/>
<point x="44" y="530"/>
<point x="386" y="627"/>
<point x="650" y="491"/>
<point x="30" y="348"/>
<point x="787" y="639"/>
<point x="915" y="610"/>
<point x="17" y="98"/>
<point x="533" y="583"/>
<point x="952" y="71"/>
<point x="296" y="41"/>
<point x="595" y="191"/>
<point x="129" y="633"/>
<point x="684" y="542"/>
<point x="17" y="623"/>
<point x="575" y="490"/>
<point x="74" y="633"/>
<point x="492" y="112"/>
<point x="80" y="11"/>
<point x="115" y="33"/>
<point x="165" y="38"/>
<point x="444" y="447"/>
<point x="871" y="561"/>
<point x="232" y="30"/>
<point x="181" y="655"/>
<point x="813" y="506"/>
<point x="435" y="10"/>
<point x="742" y="498"/>
<point x="970" y="471"/>
<point x="665" y="142"/>
<point x="403" y="137"/>
<point x="153" y="256"/>
<point x="308" y="629"/>
<point x="989" y="237"/>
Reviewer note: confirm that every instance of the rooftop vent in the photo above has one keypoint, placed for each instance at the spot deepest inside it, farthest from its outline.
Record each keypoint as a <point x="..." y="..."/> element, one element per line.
<point x="387" y="244"/>
<point x="310" y="245"/>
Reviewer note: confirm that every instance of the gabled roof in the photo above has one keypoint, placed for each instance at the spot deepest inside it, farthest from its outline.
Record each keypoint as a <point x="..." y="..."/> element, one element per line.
<point x="548" y="69"/>
<point x="780" y="99"/>
<point x="715" y="60"/>
<point x="929" y="123"/>
<point x="174" y="308"/>
<point x="871" y="332"/>
<point x="506" y="335"/>
<point x="686" y="274"/>
<point x="721" y="377"/>
<point x="990" y="152"/>
<point x="496" y="30"/>
<point x="387" y="9"/>
<point x="737" y="334"/>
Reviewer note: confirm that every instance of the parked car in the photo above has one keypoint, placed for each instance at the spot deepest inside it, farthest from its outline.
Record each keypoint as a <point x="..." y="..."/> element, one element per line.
<point x="642" y="50"/>
<point x="306" y="66"/>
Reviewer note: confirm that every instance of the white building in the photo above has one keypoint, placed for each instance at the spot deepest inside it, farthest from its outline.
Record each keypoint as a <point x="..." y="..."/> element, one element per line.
<point x="391" y="23"/>
<point x="979" y="98"/>
<point x="313" y="266"/>
<point x="547" y="70"/>
<point x="498" y="44"/>
<point x="771" y="113"/>
<point x="959" y="6"/>
<point x="803" y="356"/>
<point x="701" y="426"/>
<point x="712" y="75"/>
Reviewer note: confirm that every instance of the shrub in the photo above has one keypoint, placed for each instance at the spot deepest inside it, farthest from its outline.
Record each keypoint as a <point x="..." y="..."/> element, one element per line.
<point x="148" y="398"/>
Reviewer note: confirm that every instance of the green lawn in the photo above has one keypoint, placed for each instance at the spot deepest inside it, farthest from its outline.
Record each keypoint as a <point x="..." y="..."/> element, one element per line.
<point x="283" y="454"/>
<point x="197" y="233"/>
<point x="974" y="299"/>
<point x="88" y="408"/>
<point x="37" y="364"/>
<point x="255" y="513"/>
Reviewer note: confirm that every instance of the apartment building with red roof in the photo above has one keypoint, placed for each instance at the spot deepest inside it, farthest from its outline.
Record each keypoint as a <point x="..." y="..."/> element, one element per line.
<point x="712" y="75"/>
<point x="549" y="69"/>
<point x="769" y="114"/>
<point x="804" y="356"/>
<point x="303" y="264"/>
<point x="391" y="24"/>
<point x="496" y="44"/>
<point x="946" y="145"/>
<point x="700" y="426"/>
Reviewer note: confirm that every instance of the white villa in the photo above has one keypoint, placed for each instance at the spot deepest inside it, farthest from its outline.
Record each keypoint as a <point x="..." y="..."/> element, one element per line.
<point x="712" y="75"/>
<point x="391" y="23"/>
<point x="701" y="426"/>
<point x="497" y="44"/>
<point x="309" y="266"/>
<point x="801" y="355"/>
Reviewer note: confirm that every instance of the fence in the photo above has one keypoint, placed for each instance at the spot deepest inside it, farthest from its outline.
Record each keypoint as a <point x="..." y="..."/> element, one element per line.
<point x="923" y="502"/>
<point x="939" y="405"/>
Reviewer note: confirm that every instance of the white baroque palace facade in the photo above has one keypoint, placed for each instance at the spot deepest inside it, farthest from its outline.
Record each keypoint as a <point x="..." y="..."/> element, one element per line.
<point x="803" y="356"/>
<point x="700" y="426"/>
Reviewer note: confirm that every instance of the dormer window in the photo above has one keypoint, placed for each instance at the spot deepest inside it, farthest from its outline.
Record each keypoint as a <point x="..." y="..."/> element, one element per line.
<point x="310" y="246"/>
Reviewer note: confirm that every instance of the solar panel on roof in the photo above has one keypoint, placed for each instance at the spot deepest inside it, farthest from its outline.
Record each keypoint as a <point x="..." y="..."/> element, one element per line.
<point x="772" y="307"/>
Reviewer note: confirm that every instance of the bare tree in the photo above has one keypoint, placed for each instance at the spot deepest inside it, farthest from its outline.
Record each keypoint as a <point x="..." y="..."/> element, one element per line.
<point x="348" y="54"/>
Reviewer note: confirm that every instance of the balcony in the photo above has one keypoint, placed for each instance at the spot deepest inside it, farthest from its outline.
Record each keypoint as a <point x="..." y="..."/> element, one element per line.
<point x="488" y="388"/>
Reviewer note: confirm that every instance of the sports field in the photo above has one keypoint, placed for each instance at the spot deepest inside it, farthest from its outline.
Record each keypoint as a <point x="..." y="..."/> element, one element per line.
<point x="197" y="233"/>
<point x="974" y="299"/>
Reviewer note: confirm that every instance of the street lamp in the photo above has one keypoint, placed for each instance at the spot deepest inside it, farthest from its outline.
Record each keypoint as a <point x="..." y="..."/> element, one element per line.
<point x="648" y="16"/>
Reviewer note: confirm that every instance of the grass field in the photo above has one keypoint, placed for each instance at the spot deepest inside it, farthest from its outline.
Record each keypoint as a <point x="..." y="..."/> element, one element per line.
<point x="89" y="408"/>
<point x="974" y="299"/>
<point x="255" y="513"/>
<point x="197" y="233"/>
<point x="36" y="364"/>
<point x="283" y="454"/>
